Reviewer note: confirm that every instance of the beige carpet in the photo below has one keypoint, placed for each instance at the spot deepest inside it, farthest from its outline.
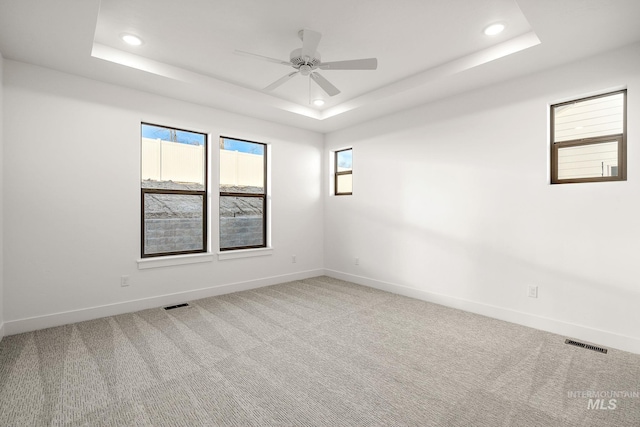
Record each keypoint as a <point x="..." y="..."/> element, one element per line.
<point x="316" y="352"/>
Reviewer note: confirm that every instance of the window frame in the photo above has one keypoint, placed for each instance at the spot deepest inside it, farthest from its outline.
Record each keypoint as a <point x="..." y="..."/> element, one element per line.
<point x="202" y="193"/>
<point x="620" y="138"/>
<point x="336" y="173"/>
<point x="262" y="195"/>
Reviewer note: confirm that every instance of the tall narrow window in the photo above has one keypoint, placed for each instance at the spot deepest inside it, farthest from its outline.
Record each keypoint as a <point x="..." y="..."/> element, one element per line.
<point x="174" y="191"/>
<point x="243" y="194"/>
<point x="588" y="139"/>
<point x="343" y="176"/>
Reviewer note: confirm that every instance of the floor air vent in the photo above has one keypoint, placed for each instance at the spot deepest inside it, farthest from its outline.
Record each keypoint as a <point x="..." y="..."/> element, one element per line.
<point x="171" y="307"/>
<point x="587" y="346"/>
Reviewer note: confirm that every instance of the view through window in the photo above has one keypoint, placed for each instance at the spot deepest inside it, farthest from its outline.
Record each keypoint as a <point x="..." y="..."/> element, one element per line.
<point x="343" y="179"/>
<point x="243" y="194"/>
<point x="588" y="139"/>
<point x="174" y="188"/>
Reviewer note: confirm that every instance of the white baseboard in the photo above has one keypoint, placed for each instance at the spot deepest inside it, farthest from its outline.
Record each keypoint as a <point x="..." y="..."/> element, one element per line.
<point x="570" y="330"/>
<point x="57" y="319"/>
<point x="1" y="330"/>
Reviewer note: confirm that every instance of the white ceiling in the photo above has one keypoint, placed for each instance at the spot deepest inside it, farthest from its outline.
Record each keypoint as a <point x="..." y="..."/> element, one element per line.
<point x="426" y="49"/>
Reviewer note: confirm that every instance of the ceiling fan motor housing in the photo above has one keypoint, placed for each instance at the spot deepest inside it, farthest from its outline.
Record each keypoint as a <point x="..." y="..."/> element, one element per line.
<point x="297" y="60"/>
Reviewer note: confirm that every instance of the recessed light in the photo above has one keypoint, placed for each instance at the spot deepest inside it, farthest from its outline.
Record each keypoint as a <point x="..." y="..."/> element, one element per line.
<point x="132" y="40"/>
<point x="494" y="29"/>
<point x="318" y="102"/>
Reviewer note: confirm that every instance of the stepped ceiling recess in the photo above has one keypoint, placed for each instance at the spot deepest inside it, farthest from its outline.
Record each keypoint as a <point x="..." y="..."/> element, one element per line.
<point x="426" y="50"/>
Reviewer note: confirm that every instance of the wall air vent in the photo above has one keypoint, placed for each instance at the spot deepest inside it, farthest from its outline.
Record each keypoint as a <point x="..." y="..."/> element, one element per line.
<point x="171" y="307"/>
<point x="587" y="346"/>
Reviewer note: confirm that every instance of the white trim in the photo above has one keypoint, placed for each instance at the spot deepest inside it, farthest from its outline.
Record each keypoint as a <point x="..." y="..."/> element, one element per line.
<point x="167" y="261"/>
<point x="571" y="330"/>
<point x="40" y="322"/>
<point x="244" y="253"/>
<point x="1" y="331"/>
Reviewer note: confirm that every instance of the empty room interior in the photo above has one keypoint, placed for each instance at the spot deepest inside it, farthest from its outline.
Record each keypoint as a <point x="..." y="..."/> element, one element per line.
<point x="335" y="213"/>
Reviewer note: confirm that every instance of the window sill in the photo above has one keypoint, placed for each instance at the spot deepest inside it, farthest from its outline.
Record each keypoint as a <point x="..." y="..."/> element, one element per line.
<point x="244" y="253"/>
<point x="168" y="261"/>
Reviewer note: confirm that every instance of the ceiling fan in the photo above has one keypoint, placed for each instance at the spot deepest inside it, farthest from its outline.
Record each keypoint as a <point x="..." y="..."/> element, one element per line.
<point x="306" y="61"/>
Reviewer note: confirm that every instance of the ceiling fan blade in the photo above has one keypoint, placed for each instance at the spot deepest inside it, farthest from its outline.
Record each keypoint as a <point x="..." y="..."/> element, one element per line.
<point x="324" y="84"/>
<point x="353" y="64"/>
<point x="310" y="42"/>
<point x="280" y="81"/>
<point x="265" y="58"/>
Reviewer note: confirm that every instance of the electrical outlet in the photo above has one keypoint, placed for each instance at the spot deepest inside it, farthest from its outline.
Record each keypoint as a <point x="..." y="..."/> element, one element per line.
<point x="124" y="281"/>
<point x="533" y="291"/>
<point x="293" y="259"/>
<point x="357" y="261"/>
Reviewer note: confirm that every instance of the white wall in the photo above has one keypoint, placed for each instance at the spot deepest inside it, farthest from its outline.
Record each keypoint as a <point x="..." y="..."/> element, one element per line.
<point x="452" y="203"/>
<point x="72" y="200"/>
<point x="1" y="201"/>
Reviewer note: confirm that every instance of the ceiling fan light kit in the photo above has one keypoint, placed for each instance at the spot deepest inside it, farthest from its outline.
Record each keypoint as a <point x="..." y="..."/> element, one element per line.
<point x="307" y="60"/>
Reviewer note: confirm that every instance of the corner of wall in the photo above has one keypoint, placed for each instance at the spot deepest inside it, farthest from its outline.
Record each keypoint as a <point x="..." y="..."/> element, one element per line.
<point x="1" y="199"/>
<point x="323" y="191"/>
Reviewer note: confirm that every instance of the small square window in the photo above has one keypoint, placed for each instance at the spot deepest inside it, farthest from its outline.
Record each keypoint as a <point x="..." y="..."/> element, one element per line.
<point x="588" y="139"/>
<point x="343" y="177"/>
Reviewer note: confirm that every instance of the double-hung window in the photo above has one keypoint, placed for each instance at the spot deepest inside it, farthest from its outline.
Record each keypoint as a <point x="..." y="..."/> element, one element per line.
<point x="173" y="191"/>
<point x="343" y="172"/>
<point x="588" y="139"/>
<point x="243" y="194"/>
